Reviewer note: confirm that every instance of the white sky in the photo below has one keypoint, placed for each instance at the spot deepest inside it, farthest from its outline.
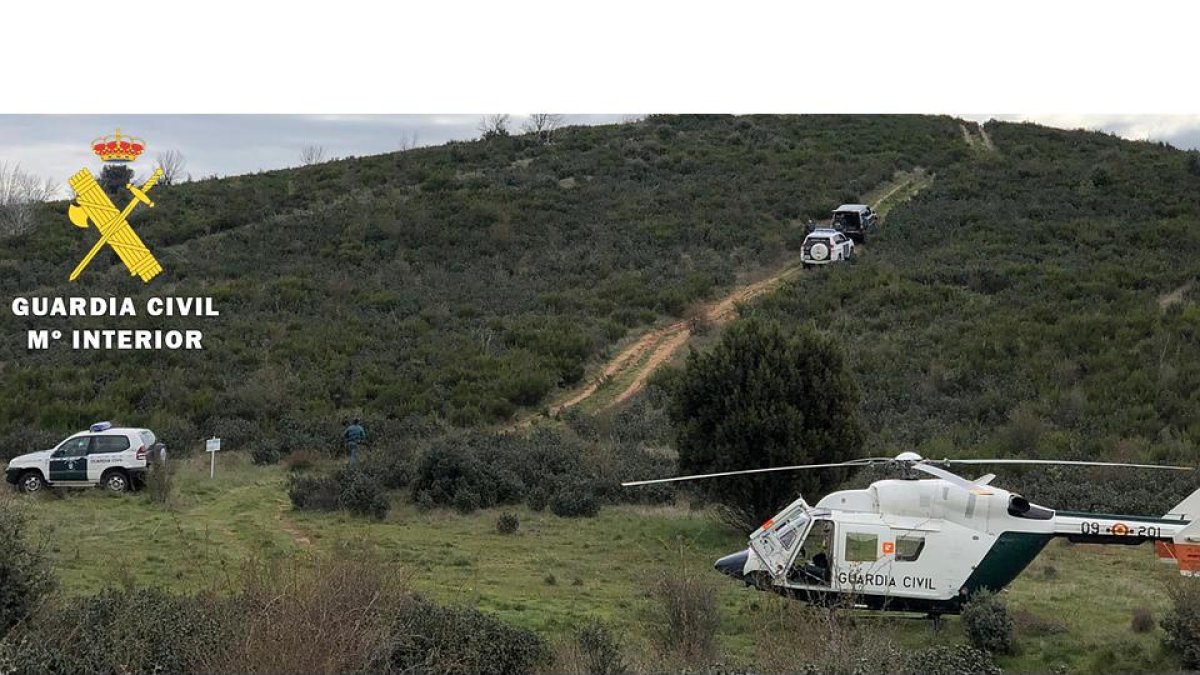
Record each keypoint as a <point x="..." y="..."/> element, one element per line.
<point x="55" y="146"/>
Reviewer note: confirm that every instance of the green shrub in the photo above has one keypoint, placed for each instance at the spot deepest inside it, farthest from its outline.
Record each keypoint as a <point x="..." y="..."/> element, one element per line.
<point x="392" y="466"/>
<point x="1182" y="623"/>
<point x="949" y="660"/>
<point x="575" y="501"/>
<point x="537" y="499"/>
<point x="454" y="474"/>
<point x="987" y="624"/>
<point x="600" y="650"/>
<point x="26" y="575"/>
<point x="122" y="631"/>
<point x="429" y="638"/>
<point x="467" y="501"/>
<point x="263" y="451"/>
<point x="508" y="523"/>
<point x="362" y="494"/>
<point x="314" y="493"/>
<point x="766" y="396"/>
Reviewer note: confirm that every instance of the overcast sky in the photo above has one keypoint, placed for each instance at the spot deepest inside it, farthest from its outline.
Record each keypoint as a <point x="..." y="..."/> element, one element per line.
<point x="55" y="146"/>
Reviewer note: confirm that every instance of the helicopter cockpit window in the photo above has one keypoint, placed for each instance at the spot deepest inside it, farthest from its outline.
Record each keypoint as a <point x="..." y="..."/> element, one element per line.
<point x="861" y="547"/>
<point x="909" y="547"/>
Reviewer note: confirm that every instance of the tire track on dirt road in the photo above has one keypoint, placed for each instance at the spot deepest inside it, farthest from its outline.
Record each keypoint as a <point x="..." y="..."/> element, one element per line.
<point x="625" y="374"/>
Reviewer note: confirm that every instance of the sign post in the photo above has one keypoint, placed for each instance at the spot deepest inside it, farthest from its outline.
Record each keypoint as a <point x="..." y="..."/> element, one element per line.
<point x="212" y="446"/>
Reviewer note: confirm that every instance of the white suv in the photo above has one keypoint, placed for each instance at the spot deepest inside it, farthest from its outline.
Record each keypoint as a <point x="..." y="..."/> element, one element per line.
<point x="824" y="246"/>
<point x="115" y="457"/>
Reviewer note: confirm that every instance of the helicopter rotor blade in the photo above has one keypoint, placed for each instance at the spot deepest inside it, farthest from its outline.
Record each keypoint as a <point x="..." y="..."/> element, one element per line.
<point x="952" y="478"/>
<point x="866" y="461"/>
<point x="1060" y="462"/>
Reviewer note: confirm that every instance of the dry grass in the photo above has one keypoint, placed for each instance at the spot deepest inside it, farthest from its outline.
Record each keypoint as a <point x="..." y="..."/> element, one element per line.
<point x="332" y="617"/>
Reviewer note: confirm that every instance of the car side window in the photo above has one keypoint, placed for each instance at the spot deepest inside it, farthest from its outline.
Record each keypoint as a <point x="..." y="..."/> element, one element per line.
<point x="107" y="444"/>
<point x="76" y="447"/>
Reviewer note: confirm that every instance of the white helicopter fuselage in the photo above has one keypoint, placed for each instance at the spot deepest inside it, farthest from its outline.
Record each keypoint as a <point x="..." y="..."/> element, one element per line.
<point x="927" y="545"/>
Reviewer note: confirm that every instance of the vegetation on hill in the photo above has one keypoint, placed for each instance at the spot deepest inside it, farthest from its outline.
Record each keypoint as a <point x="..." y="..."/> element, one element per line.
<point x="459" y="282"/>
<point x="1037" y="302"/>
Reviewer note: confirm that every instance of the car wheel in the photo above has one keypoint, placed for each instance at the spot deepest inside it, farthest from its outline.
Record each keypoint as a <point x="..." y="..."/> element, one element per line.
<point x="115" y="481"/>
<point x="31" y="481"/>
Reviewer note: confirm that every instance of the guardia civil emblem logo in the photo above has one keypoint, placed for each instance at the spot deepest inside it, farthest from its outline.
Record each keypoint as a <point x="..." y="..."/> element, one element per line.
<point x="93" y="206"/>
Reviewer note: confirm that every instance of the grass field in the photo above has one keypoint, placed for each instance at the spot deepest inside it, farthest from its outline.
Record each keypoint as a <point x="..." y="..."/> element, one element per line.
<point x="1073" y="605"/>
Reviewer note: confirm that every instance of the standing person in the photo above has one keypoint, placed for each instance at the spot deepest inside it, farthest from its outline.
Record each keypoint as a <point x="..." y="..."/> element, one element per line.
<point x="353" y="435"/>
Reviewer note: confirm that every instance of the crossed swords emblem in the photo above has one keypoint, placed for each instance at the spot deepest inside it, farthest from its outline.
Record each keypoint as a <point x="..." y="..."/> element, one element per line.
<point x="95" y="206"/>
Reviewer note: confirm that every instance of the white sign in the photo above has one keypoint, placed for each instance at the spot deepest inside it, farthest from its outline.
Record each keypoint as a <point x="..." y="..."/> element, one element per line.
<point x="212" y="446"/>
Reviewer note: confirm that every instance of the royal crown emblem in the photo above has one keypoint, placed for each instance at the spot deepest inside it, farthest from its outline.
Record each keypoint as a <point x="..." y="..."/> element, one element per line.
<point x="118" y="148"/>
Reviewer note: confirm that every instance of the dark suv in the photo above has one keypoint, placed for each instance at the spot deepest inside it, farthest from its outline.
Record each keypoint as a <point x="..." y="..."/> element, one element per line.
<point x="854" y="221"/>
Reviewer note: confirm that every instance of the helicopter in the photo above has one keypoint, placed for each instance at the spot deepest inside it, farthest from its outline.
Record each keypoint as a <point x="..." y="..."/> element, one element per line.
<point x="928" y="545"/>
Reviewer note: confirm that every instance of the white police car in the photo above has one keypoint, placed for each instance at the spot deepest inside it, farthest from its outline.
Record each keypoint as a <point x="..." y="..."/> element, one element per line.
<point x="115" y="457"/>
<point x="824" y="246"/>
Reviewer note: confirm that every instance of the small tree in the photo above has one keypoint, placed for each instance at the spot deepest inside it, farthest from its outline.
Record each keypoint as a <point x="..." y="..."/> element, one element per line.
<point x="113" y="179"/>
<point x="492" y="126"/>
<point x="312" y="154"/>
<point x="763" y="398"/>
<point x="408" y="141"/>
<point x="19" y="194"/>
<point x="172" y="164"/>
<point x="543" y="126"/>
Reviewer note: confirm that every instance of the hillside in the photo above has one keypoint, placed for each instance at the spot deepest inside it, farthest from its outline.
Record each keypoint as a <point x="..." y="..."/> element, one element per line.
<point x="1032" y="292"/>
<point x="459" y="283"/>
<point x="1038" y="301"/>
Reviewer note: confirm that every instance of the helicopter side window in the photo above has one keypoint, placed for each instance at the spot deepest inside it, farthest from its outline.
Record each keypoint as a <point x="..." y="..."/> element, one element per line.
<point x="861" y="547"/>
<point x="909" y="547"/>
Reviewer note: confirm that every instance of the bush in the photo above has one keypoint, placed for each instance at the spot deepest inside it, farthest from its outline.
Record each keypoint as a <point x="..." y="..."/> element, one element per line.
<point x="575" y="501"/>
<point x="537" y="499"/>
<point x="335" y="616"/>
<point x="26" y="573"/>
<point x="264" y="452"/>
<point x="362" y="494"/>
<point x="1182" y="623"/>
<point x="391" y="466"/>
<point x="987" y="623"/>
<point x="301" y="460"/>
<point x="599" y="649"/>
<point x="685" y="614"/>
<point x="160" y="482"/>
<point x="429" y="638"/>
<point x="950" y="660"/>
<point x="508" y="523"/>
<point x="314" y="493"/>
<point x="122" y="631"/>
<point x="454" y="475"/>
<point x="1142" y="621"/>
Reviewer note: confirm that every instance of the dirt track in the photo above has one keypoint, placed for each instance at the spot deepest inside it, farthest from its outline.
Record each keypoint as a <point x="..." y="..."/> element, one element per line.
<point x="627" y="372"/>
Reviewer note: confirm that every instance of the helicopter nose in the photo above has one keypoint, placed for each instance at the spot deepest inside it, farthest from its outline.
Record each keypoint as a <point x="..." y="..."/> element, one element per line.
<point x="733" y="564"/>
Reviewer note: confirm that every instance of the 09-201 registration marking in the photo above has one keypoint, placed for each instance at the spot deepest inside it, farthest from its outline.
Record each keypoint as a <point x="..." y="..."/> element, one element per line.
<point x="1120" y="529"/>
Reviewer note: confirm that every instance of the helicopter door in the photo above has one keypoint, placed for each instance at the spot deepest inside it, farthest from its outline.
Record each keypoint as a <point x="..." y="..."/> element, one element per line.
<point x="813" y="564"/>
<point x="776" y="541"/>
